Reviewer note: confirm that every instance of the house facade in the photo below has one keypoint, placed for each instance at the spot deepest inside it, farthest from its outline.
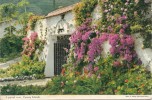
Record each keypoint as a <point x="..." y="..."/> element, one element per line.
<point x="56" y="28"/>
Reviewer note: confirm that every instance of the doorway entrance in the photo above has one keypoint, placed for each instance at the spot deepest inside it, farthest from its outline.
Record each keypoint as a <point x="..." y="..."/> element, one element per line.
<point x="60" y="55"/>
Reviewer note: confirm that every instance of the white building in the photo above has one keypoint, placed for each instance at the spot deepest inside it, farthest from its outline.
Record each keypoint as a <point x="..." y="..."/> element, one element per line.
<point x="61" y="23"/>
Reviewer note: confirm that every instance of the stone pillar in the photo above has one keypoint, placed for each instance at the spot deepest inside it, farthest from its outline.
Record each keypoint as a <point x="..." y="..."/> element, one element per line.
<point x="49" y="68"/>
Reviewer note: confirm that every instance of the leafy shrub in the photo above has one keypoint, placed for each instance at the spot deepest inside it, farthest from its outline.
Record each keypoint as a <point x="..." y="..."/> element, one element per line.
<point x="32" y="21"/>
<point x="83" y="10"/>
<point x="26" y="67"/>
<point x="112" y="80"/>
<point x="10" y="47"/>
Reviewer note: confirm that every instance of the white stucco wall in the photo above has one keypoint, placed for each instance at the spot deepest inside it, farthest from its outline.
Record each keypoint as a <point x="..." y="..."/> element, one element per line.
<point x="47" y="30"/>
<point x="144" y="54"/>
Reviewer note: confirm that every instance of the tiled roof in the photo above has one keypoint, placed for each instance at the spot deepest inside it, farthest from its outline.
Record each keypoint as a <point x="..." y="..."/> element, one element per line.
<point x="60" y="11"/>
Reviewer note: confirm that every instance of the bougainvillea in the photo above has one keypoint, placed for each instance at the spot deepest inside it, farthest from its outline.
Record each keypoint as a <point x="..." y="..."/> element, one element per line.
<point x="120" y="19"/>
<point x="127" y="16"/>
<point x="31" y="44"/>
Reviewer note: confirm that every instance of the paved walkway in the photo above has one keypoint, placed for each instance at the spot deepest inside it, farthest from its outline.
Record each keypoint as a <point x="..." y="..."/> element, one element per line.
<point x="6" y="65"/>
<point x="40" y="82"/>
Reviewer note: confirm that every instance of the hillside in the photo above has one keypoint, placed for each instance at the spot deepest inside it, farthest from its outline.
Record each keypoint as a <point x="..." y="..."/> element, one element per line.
<point x="43" y="7"/>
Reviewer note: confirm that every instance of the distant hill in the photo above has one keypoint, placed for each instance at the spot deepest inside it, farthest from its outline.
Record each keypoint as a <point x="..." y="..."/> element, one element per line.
<point x="43" y="7"/>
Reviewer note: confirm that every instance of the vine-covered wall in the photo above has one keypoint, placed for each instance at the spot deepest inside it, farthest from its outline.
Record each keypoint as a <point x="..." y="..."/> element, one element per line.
<point x="120" y="21"/>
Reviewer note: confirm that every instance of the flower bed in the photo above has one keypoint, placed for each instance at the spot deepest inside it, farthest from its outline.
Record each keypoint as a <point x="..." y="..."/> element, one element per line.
<point x="26" y="67"/>
<point x="107" y="78"/>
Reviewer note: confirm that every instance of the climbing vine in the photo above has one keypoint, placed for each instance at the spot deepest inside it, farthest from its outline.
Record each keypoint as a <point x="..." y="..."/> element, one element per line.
<point x="83" y="10"/>
<point x="32" y="45"/>
<point x="32" y="21"/>
<point x="127" y="16"/>
<point x="120" y="19"/>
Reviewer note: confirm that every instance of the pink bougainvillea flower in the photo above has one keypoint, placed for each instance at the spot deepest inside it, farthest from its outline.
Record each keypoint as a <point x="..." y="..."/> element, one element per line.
<point x="124" y="17"/>
<point x="113" y="50"/>
<point x="25" y="39"/>
<point x="121" y="31"/>
<point x="66" y="50"/>
<point x="33" y="36"/>
<point x="90" y="67"/>
<point x="96" y="69"/>
<point x="128" y="57"/>
<point x="130" y="40"/>
<point x="110" y="28"/>
<point x="86" y="35"/>
<point x="116" y="64"/>
<point x="103" y="37"/>
<point x="94" y="48"/>
<point x="125" y="26"/>
<point x="90" y="74"/>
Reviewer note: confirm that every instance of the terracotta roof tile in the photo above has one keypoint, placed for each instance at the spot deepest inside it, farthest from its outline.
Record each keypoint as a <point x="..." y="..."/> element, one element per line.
<point x="60" y="11"/>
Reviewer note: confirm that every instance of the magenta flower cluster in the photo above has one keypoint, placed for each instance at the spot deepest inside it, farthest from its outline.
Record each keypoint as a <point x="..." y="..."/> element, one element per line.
<point x="29" y="46"/>
<point x="80" y="39"/>
<point x="33" y="36"/>
<point x="123" y="45"/>
<point x="94" y="49"/>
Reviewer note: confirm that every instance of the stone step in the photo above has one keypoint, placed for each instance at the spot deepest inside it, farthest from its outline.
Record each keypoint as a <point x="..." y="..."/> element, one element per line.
<point x="39" y="82"/>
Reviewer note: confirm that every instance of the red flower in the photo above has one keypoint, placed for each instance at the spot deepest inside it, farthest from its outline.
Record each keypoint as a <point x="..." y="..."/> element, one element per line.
<point x="116" y="91"/>
<point x="126" y="81"/>
<point x="116" y="64"/>
<point x="63" y="71"/>
<point x="96" y="69"/>
<point x="77" y="73"/>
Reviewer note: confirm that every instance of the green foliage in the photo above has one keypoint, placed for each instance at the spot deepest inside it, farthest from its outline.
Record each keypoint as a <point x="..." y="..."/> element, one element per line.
<point x="41" y="7"/>
<point x="32" y="21"/>
<point x="10" y="46"/>
<point x="83" y="10"/>
<point x="10" y="30"/>
<point x="133" y="81"/>
<point x="136" y="28"/>
<point x="7" y="11"/>
<point x="26" y="67"/>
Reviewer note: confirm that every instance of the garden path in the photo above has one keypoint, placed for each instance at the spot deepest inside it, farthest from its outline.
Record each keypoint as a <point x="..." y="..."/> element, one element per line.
<point x="40" y="82"/>
<point x="6" y="64"/>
